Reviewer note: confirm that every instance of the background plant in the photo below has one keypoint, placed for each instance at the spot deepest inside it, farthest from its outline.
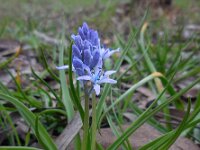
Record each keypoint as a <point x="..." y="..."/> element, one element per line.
<point x="50" y="101"/>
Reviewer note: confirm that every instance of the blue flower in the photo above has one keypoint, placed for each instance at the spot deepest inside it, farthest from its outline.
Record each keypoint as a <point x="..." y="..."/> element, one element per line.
<point x="88" y="56"/>
<point x="107" y="52"/>
<point x="97" y="77"/>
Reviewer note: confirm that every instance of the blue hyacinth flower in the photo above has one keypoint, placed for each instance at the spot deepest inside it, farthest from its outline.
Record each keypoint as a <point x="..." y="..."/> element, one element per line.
<point x="107" y="52"/>
<point x="88" y="57"/>
<point x="97" y="77"/>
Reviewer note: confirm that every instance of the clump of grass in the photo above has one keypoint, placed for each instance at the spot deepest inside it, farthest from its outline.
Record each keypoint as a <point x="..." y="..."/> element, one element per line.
<point x="46" y="111"/>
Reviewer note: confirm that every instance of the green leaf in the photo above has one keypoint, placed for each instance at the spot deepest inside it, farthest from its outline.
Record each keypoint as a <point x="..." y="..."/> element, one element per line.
<point x="47" y="66"/>
<point x="38" y="134"/>
<point x="158" y="141"/>
<point x="32" y="102"/>
<point x="27" y="138"/>
<point x="47" y="85"/>
<point x="4" y="88"/>
<point x="148" y="114"/>
<point x="76" y="101"/>
<point x="153" y="122"/>
<point x="64" y="87"/>
<point x="116" y="67"/>
<point x="130" y="90"/>
<point x="30" y="118"/>
<point x="10" y="59"/>
<point x="179" y="130"/>
<point x="165" y="141"/>
<point x="18" y="148"/>
<point x="7" y="120"/>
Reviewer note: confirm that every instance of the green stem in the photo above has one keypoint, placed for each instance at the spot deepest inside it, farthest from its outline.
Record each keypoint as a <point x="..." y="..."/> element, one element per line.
<point x="77" y="141"/>
<point x="86" y="121"/>
<point x="94" y="127"/>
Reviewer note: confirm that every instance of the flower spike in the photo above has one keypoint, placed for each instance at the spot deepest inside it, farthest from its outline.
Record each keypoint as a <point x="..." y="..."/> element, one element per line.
<point x="88" y="57"/>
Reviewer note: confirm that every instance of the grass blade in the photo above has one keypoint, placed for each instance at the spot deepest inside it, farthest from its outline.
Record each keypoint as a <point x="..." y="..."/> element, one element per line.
<point x="147" y="114"/>
<point x="30" y="118"/>
<point x="76" y="101"/>
<point x="179" y="129"/>
<point x="47" y="85"/>
<point x="18" y="148"/>
<point x="47" y="67"/>
<point x="31" y="100"/>
<point x="116" y="67"/>
<point x="65" y="91"/>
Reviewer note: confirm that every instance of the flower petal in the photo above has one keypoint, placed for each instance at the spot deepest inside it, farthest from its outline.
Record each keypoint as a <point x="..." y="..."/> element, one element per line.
<point x="73" y="36"/>
<point x="95" y="60"/>
<point x="107" y="73"/>
<point x="108" y="53"/>
<point x="78" y="41"/>
<point x="77" y="63"/>
<point x="78" y="66"/>
<point x="84" y="78"/>
<point x="80" y="32"/>
<point x="85" y="28"/>
<point x="87" y="57"/>
<point x="98" y="68"/>
<point x="79" y="71"/>
<point x="86" y="44"/>
<point x="75" y="51"/>
<point x="97" y="89"/>
<point x="62" y="67"/>
<point x="94" y="38"/>
<point x="107" y="80"/>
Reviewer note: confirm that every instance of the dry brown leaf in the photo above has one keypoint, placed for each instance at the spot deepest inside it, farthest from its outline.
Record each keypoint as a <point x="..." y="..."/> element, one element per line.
<point x="48" y="39"/>
<point x="8" y="47"/>
<point x="71" y="130"/>
<point x="130" y="116"/>
<point x="143" y="135"/>
<point x="145" y="91"/>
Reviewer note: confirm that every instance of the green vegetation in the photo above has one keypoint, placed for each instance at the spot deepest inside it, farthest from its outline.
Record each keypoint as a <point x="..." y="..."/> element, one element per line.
<point x="38" y="102"/>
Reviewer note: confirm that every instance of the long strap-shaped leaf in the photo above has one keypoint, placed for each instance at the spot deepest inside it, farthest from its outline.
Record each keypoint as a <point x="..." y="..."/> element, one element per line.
<point x="30" y="118"/>
<point x="166" y="136"/>
<point x="165" y="141"/>
<point x="75" y="98"/>
<point x="18" y="148"/>
<point x="179" y="130"/>
<point x="116" y="67"/>
<point x="146" y="115"/>
<point x="67" y="101"/>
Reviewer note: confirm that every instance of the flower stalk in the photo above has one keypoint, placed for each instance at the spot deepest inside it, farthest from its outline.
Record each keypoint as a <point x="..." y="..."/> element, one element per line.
<point x="86" y="121"/>
<point x="94" y="125"/>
